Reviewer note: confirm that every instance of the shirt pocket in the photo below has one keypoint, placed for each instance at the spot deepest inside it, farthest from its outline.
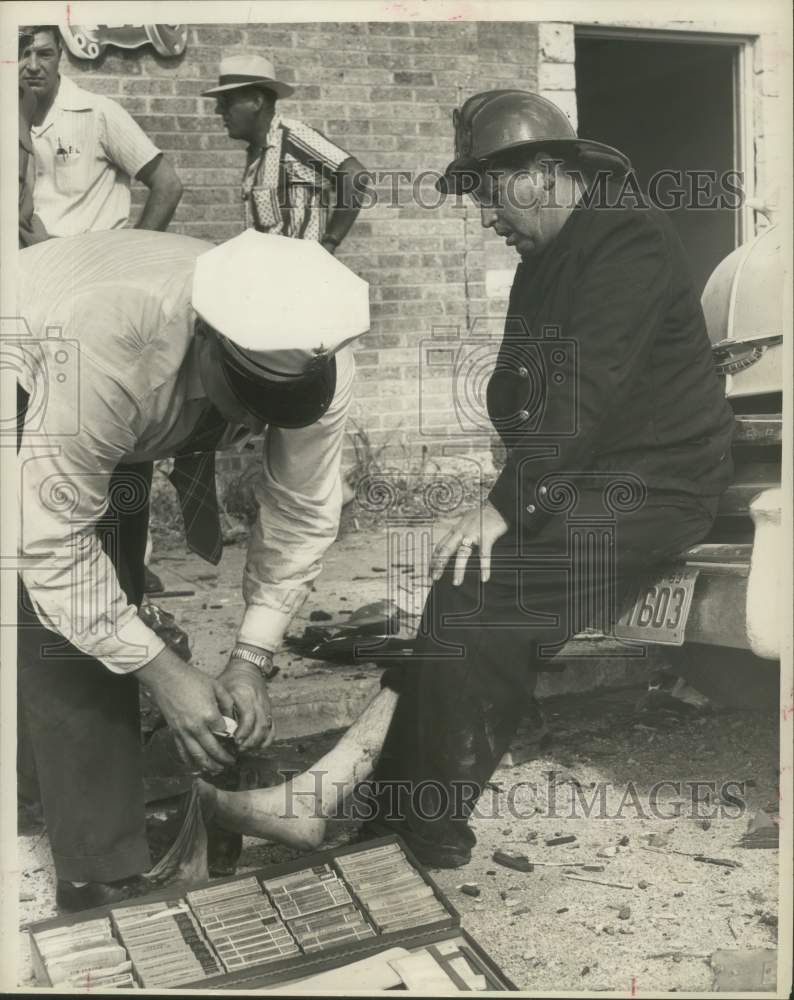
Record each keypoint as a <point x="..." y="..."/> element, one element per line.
<point x="73" y="163"/>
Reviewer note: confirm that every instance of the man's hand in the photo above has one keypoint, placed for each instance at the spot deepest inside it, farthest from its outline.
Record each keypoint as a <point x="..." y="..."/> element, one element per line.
<point x="192" y="704"/>
<point x="480" y="528"/>
<point x="247" y="689"/>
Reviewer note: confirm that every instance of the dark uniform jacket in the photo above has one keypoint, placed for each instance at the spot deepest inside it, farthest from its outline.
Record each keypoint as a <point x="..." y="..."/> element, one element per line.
<point x="606" y="366"/>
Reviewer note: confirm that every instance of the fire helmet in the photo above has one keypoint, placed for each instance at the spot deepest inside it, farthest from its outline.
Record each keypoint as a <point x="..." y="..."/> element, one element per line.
<point x="498" y="121"/>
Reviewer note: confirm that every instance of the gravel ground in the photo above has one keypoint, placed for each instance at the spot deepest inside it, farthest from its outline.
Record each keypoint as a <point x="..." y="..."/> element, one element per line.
<point x="547" y="931"/>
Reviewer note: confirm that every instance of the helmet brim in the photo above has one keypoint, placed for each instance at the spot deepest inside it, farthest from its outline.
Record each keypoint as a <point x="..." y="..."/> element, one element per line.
<point x="462" y="174"/>
<point x="291" y="403"/>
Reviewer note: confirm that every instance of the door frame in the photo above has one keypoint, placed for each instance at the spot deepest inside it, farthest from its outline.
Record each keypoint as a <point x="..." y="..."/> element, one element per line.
<point x="743" y="98"/>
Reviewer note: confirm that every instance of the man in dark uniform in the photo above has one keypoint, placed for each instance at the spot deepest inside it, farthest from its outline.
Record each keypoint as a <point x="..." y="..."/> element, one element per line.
<point x="618" y="446"/>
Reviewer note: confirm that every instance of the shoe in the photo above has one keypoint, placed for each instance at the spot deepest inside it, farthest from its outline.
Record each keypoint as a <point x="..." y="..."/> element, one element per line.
<point x="153" y="584"/>
<point x="73" y="898"/>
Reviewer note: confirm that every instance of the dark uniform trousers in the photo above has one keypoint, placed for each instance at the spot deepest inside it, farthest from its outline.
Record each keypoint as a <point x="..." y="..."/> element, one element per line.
<point x="83" y="723"/>
<point x="464" y="694"/>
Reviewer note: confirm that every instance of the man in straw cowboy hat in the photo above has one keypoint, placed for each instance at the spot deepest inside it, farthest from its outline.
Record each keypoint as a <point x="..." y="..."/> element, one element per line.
<point x="617" y="437"/>
<point x="169" y="347"/>
<point x="296" y="182"/>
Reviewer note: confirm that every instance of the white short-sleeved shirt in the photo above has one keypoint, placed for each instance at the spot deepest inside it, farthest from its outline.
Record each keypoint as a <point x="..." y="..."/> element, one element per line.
<point x="86" y="150"/>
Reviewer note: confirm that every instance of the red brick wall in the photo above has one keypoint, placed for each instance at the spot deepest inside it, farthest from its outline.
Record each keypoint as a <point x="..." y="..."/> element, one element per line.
<point x="385" y="92"/>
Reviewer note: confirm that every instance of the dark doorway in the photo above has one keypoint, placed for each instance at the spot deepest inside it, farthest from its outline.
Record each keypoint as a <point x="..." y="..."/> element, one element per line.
<point x="668" y="105"/>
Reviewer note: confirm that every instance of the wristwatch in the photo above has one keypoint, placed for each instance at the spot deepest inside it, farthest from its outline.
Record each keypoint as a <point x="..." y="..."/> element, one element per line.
<point x="262" y="661"/>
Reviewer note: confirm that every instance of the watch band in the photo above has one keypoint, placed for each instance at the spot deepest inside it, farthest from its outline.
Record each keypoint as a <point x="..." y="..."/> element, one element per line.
<point x="262" y="661"/>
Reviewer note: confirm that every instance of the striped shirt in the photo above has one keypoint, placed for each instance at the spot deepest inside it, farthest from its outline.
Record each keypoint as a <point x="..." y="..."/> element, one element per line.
<point x="113" y="378"/>
<point x="87" y="149"/>
<point x="286" y="184"/>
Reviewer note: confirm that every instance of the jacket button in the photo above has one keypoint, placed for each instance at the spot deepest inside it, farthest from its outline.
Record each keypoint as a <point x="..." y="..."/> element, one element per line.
<point x="543" y="490"/>
<point x="523" y="372"/>
<point x="523" y="415"/>
<point x="531" y="509"/>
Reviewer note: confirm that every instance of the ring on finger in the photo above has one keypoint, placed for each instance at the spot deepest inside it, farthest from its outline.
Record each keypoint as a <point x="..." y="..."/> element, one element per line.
<point x="466" y="543"/>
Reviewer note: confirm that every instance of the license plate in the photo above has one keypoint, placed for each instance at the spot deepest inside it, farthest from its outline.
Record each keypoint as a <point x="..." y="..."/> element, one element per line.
<point x="660" y="610"/>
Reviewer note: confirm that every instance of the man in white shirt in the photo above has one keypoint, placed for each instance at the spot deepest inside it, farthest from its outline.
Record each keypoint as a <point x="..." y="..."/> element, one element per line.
<point x="126" y="370"/>
<point x="87" y="148"/>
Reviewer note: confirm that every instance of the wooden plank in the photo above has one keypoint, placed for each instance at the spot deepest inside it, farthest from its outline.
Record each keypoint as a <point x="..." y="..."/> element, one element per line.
<point x="759" y="428"/>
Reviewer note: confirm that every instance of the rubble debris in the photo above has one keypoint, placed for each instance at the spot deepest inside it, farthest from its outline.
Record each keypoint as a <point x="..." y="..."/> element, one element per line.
<point x="669" y="692"/>
<point x="590" y="868"/>
<point x="642" y="884"/>
<point x="176" y="593"/>
<point x="320" y="616"/>
<point x="607" y="852"/>
<point x="680" y="954"/>
<point x="521" y="911"/>
<point x="705" y="824"/>
<point x="598" y="881"/>
<point x="767" y="917"/>
<point x="532" y="835"/>
<point x="762" y="832"/>
<point x="491" y="871"/>
<point x="624" y="913"/>
<point x="163" y="623"/>
<point x="563" y="909"/>
<point x="469" y="889"/>
<point x="556" y="841"/>
<point x="724" y="862"/>
<point x="624" y="841"/>
<point x="517" y="862"/>
<point x="743" y="971"/>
